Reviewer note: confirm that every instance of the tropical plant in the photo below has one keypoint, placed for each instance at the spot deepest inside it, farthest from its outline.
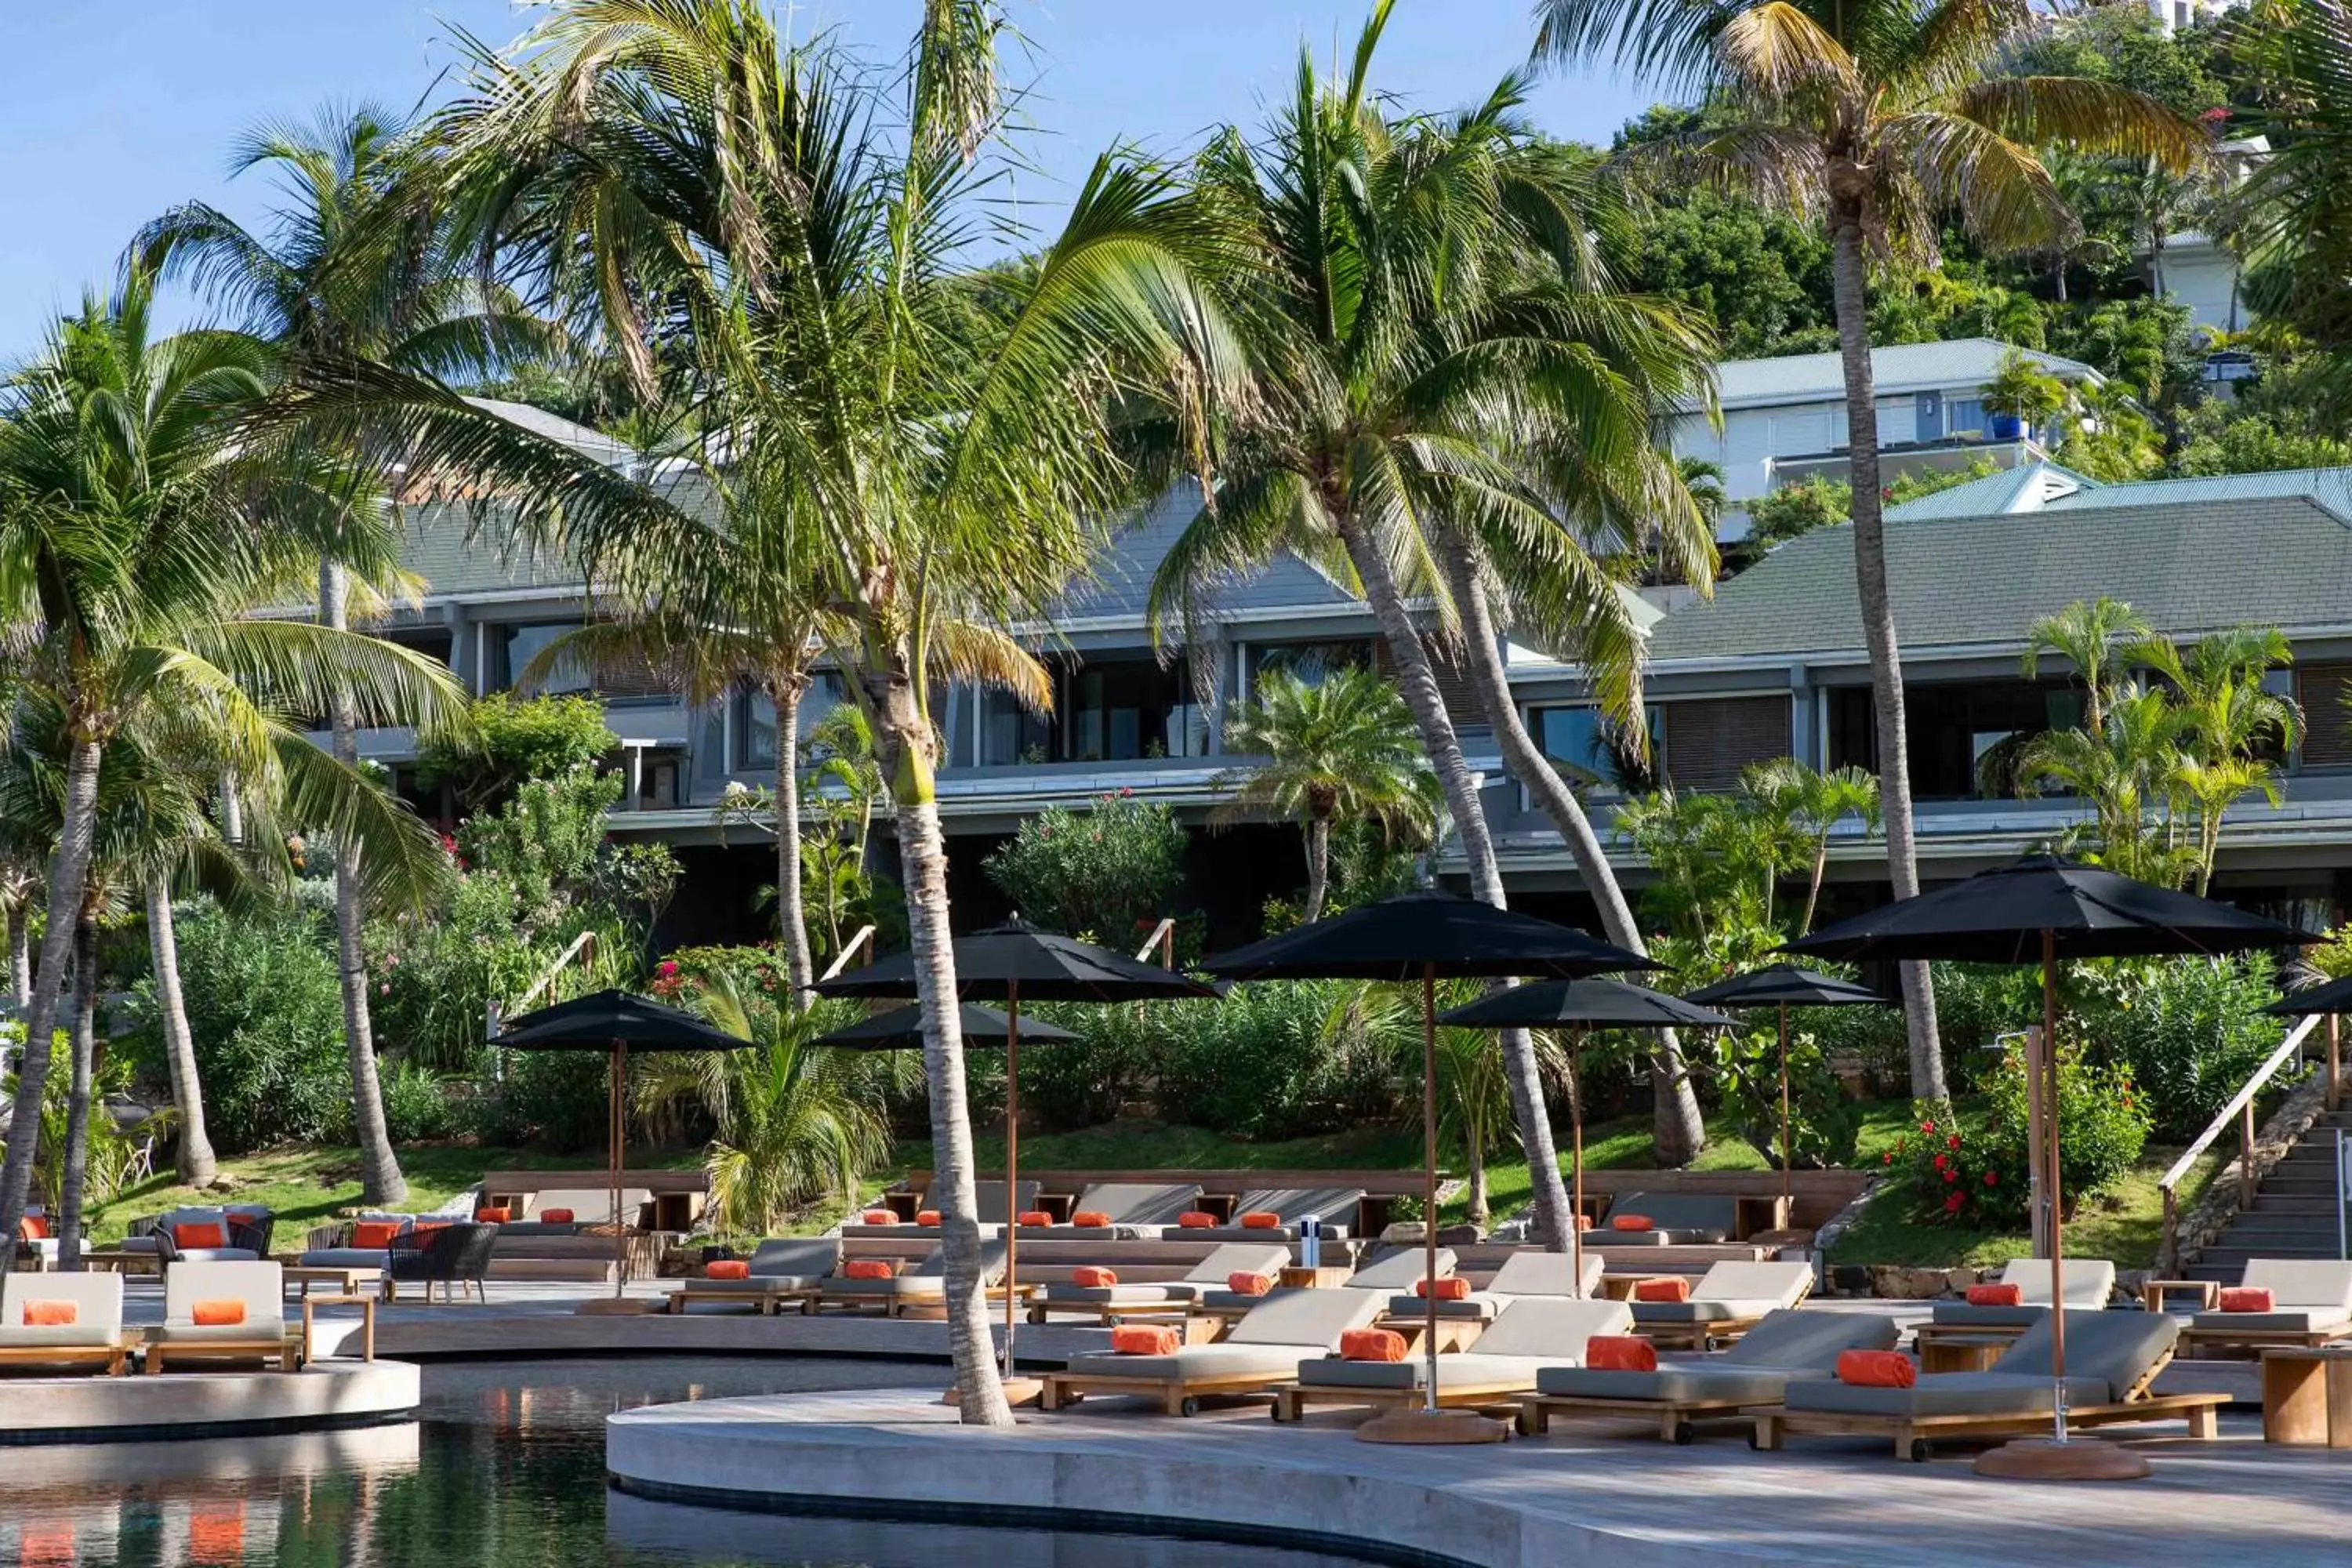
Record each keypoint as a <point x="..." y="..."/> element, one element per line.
<point x="2096" y="638"/>
<point x="2023" y="390"/>
<point x="1453" y="400"/>
<point x="1108" y="872"/>
<point x="1881" y="119"/>
<point x="510" y="739"/>
<point x="1343" y="749"/>
<point x="2234" y="729"/>
<point x="1812" y="803"/>
<point x="2190" y="1029"/>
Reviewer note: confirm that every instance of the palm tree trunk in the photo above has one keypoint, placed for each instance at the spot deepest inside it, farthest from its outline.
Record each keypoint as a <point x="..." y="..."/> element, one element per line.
<point x="194" y="1163"/>
<point x="1418" y="681"/>
<point x="69" y="870"/>
<point x="907" y="738"/>
<point x="1318" y="865"/>
<point x="1676" y="1121"/>
<point x="381" y="1182"/>
<point x="81" y="1038"/>
<point x="1813" y="887"/>
<point x="792" y="913"/>
<point x="1850" y="285"/>
<point x="1481" y="1208"/>
<point x="20" y="952"/>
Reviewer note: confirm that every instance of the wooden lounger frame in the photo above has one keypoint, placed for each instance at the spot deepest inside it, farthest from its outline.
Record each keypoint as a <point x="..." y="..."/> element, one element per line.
<point x="898" y="1306"/>
<point x="286" y="1352"/>
<point x="1674" y="1416"/>
<point x="1927" y="1333"/>
<point x="1177" y="1396"/>
<point x="1914" y="1434"/>
<point x="1290" y="1401"/>
<point x="767" y="1301"/>
<point x="2261" y="1340"/>
<point x="1705" y="1336"/>
<point x="114" y="1358"/>
<point x="1110" y="1314"/>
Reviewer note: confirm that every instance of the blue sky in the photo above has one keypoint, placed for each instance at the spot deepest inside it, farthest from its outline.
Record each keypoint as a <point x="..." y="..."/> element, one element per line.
<point x="115" y="109"/>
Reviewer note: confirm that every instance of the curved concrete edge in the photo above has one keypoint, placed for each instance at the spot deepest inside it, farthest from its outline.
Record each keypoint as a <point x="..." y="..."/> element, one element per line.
<point x="182" y="1404"/>
<point x="515" y="1335"/>
<point x="748" y="1454"/>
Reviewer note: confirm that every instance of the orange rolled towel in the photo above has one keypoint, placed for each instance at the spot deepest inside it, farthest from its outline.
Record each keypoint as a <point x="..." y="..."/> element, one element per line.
<point x="1090" y="1219"/>
<point x="492" y="1217"/>
<point x="1145" y="1339"/>
<point x="868" y="1269"/>
<point x="1093" y="1278"/>
<point x="927" y="1216"/>
<point x="1630" y="1222"/>
<point x="1668" y="1287"/>
<point x="1261" y="1219"/>
<point x="2247" y="1298"/>
<point x="188" y="1236"/>
<point x="1877" y="1369"/>
<point x="878" y="1216"/>
<point x="216" y="1315"/>
<point x="726" y="1268"/>
<point x="1248" y="1284"/>
<point x="1034" y="1216"/>
<point x="1620" y="1352"/>
<point x="555" y="1216"/>
<point x="52" y="1314"/>
<point x="1443" y="1289"/>
<point x="1193" y="1219"/>
<point x="1371" y="1344"/>
<point x="1996" y="1296"/>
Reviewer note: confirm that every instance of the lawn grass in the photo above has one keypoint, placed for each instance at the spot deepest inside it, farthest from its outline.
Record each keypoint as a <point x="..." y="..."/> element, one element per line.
<point x="2124" y="1225"/>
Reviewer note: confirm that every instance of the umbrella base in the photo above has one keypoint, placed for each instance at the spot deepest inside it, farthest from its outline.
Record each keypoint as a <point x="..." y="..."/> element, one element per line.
<point x="2047" y="1459"/>
<point x="1018" y="1392"/>
<point x="618" y="1307"/>
<point x="1433" y="1427"/>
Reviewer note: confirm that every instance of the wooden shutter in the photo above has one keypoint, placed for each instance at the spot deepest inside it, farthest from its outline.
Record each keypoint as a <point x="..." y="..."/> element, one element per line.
<point x="1708" y="742"/>
<point x="2327" y="737"/>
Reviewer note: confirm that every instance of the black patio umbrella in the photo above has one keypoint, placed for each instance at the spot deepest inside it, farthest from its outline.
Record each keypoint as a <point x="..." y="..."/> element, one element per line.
<point x="1582" y="1004"/>
<point x="614" y="1022"/>
<point x="1784" y="986"/>
<point x="901" y="1029"/>
<point x="1013" y="962"/>
<point x="2049" y="907"/>
<point x="1417" y="937"/>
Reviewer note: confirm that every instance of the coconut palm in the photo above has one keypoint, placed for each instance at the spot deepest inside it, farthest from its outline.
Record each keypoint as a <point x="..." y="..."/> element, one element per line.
<point x="665" y="174"/>
<point x="138" y="528"/>
<point x="1812" y="804"/>
<point x="348" y="265"/>
<point x="1881" y="119"/>
<point x="1341" y="749"/>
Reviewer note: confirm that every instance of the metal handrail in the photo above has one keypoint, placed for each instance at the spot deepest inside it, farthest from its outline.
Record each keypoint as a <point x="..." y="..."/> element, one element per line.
<point x="2240" y="1109"/>
<point x="864" y="938"/>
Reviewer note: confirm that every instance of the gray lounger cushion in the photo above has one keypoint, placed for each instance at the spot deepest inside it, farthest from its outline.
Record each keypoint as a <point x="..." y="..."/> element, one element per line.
<point x="1138" y="1202"/>
<point x="1787" y="1344"/>
<point x="1454" y="1370"/>
<point x="218" y="1254"/>
<point x="1945" y="1393"/>
<point x="1696" y="1311"/>
<point x="59" y="1336"/>
<point x="1961" y="1315"/>
<point x="928" y="1278"/>
<point x="1479" y="1306"/>
<point x="1678" y="1219"/>
<point x="2117" y="1348"/>
<point x="1206" y="1278"/>
<point x="1530" y="1334"/>
<point x="1813" y="1340"/>
<point x="2089" y="1282"/>
<point x="1224" y="1360"/>
<point x="1729" y="1290"/>
<point x="1529" y="1273"/>
<point x="1397" y="1271"/>
<point x="253" y="1330"/>
<point x="347" y="1257"/>
<point x="2309" y="1296"/>
<point x="522" y="1227"/>
<point x="2296" y="1322"/>
<point x="1269" y="1340"/>
<point x="1228" y="1300"/>
<point x="798" y="1256"/>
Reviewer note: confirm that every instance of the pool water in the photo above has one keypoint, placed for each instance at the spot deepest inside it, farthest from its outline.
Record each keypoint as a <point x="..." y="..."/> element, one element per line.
<point x="503" y="1468"/>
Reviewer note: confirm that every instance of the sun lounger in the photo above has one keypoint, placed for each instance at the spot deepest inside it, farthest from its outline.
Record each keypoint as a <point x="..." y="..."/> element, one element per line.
<point x="925" y="1285"/>
<point x="260" y="1335"/>
<point x="787" y="1269"/>
<point x="1530" y="1335"/>
<point x="1676" y="1219"/>
<point x="988" y="1209"/>
<point x="589" y="1205"/>
<point x="1262" y="1352"/>
<point x="1334" y="1207"/>
<point x="1785" y="1345"/>
<point x="2111" y="1358"/>
<point x="2311" y="1304"/>
<point x="1385" y="1276"/>
<point x="1108" y="1304"/>
<point x="1729" y="1300"/>
<point x="1522" y="1273"/>
<point x="93" y="1339"/>
<point x="2089" y="1282"/>
<point x="1138" y="1211"/>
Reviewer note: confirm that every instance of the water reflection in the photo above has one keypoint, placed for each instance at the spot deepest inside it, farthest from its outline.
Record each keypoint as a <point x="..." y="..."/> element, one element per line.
<point x="503" y="1469"/>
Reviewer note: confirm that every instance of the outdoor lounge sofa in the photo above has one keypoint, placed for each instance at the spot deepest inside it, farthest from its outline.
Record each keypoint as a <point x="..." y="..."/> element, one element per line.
<point x="588" y="1205"/>
<point x="343" y="1254"/>
<point x="1334" y="1208"/>
<point x="193" y="1284"/>
<point x="1383" y="1276"/>
<point x="2089" y="1282"/>
<point x="1262" y="1352"/>
<point x="2111" y="1358"/>
<point x="786" y="1269"/>
<point x="1729" y="1300"/>
<point x="1676" y="1219"/>
<point x="1138" y="1211"/>
<point x="1528" y="1274"/>
<point x="1530" y="1336"/>
<point x="1108" y="1304"/>
<point x="2311" y="1304"/>
<point x="1785" y="1345"/>
<point x="246" y="1228"/>
<point x="925" y="1285"/>
<point x="94" y="1339"/>
<point x="988" y="1209"/>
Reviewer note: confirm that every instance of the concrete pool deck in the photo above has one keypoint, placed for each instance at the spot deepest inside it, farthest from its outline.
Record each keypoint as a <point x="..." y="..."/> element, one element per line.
<point x="179" y="1405"/>
<point x="1590" y="1493"/>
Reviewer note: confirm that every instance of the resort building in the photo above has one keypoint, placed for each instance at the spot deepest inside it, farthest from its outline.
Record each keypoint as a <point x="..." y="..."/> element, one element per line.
<point x="1784" y="419"/>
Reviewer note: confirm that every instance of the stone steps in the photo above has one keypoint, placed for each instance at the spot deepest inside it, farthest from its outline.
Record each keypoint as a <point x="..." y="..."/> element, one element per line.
<point x="2293" y="1213"/>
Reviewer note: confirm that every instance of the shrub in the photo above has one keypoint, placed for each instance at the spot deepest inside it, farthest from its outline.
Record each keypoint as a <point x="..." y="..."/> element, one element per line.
<point x="1978" y="1177"/>
<point x="554" y="1099"/>
<point x="1104" y="874"/>
<point x="515" y="739"/>
<point x="1825" y="1121"/>
<point x="417" y="1105"/>
<point x="2191" y="1030"/>
<point x="1265" y="1062"/>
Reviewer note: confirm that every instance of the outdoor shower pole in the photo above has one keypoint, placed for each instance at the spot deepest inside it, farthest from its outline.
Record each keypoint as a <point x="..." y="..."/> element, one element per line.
<point x="1429" y="1188"/>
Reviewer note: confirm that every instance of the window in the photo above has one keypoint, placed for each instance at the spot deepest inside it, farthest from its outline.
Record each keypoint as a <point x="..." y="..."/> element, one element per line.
<point x="755" y="717"/>
<point x="1965" y="416"/>
<point x="1122" y="709"/>
<point x="1709" y="743"/>
<point x="1576" y="739"/>
<point x="1963" y="736"/>
<point x="515" y="646"/>
<point x="1010" y="733"/>
<point x="1310" y="661"/>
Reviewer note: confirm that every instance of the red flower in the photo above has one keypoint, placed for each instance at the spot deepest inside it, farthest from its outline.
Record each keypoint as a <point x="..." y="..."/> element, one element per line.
<point x="1952" y="1204"/>
<point x="1887" y="1157"/>
<point x="1928" y="1127"/>
<point x="1940" y="1162"/>
<point x="1990" y="1178"/>
<point x="667" y="968"/>
<point x="1954" y="1140"/>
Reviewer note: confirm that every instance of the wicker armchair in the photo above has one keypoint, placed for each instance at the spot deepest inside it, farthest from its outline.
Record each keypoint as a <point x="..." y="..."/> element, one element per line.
<point x="447" y="1256"/>
<point x="248" y="1228"/>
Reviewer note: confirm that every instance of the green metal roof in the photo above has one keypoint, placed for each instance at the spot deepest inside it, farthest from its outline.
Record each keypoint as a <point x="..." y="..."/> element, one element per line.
<point x="2051" y="487"/>
<point x="1897" y="368"/>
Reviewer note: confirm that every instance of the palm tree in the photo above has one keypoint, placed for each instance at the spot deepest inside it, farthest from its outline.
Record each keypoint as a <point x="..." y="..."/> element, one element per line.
<point x="665" y="173"/>
<point x="2096" y="636"/>
<point x="2129" y="773"/>
<point x="1878" y="117"/>
<point x="2232" y="728"/>
<point x="1812" y="803"/>
<point x="1340" y="749"/>
<point x="1452" y="403"/>
<point x="347" y="266"/>
<point x="138" y="526"/>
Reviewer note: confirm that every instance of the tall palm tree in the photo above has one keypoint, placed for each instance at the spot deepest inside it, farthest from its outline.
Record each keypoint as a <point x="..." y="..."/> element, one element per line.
<point x="665" y="173"/>
<point x="347" y="264"/>
<point x="140" y="526"/>
<point x="1341" y="749"/>
<point x="1878" y="118"/>
<point x="1453" y="402"/>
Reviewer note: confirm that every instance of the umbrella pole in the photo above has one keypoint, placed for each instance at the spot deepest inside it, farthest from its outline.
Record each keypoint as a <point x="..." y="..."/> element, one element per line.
<point x="1787" y="1160"/>
<point x="1575" y="1160"/>
<point x="1429" y="1191"/>
<point x="1012" y="1161"/>
<point x="2052" y="1192"/>
<point x="617" y="1093"/>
